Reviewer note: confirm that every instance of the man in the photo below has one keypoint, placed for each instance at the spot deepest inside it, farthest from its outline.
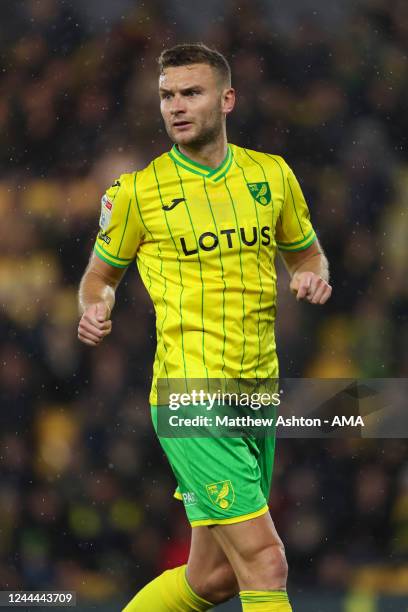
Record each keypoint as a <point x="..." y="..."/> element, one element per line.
<point x="203" y="222"/>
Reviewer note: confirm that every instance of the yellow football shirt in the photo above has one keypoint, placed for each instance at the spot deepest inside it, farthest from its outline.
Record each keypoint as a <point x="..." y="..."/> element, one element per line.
<point x="205" y="242"/>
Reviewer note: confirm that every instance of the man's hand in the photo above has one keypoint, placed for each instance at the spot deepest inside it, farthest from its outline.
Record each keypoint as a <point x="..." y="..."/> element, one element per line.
<point x="309" y="270"/>
<point x="310" y="287"/>
<point x="95" y="324"/>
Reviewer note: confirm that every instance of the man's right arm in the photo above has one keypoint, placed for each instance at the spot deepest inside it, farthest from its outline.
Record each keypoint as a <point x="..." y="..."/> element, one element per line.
<point x="96" y="300"/>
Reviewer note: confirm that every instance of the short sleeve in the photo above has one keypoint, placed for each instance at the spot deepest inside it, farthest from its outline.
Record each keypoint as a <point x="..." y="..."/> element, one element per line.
<point x="120" y="233"/>
<point x="294" y="230"/>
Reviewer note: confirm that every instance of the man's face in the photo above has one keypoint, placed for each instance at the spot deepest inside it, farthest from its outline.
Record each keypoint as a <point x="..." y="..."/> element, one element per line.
<point x="193" y="103"/>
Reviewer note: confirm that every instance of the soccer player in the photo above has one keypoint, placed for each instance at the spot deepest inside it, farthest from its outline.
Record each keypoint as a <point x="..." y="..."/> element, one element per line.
<point x="204" y="221"/>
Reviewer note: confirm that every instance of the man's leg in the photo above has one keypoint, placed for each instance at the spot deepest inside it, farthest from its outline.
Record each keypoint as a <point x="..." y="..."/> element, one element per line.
<point x="209" y="580"/>
<point x="225" y="482"/>
<point x="209" y="572"/>
<point x="257" y="556"/>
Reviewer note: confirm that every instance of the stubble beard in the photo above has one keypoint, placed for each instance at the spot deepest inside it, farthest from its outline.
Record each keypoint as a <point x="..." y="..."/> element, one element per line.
<point x="207" y="135"/>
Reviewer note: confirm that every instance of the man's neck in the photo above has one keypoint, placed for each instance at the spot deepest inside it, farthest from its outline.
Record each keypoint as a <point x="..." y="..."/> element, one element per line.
<point x="211" y="154"/>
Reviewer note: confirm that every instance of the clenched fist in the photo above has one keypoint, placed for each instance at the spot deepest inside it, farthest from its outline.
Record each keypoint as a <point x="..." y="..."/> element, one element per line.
<point x="310" y="287"/>
<point x="95" y="324"/>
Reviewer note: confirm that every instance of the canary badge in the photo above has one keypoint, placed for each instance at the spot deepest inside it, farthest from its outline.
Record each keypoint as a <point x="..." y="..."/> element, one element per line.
<point x="221" y="493"/>
<point x="260" y="192"/>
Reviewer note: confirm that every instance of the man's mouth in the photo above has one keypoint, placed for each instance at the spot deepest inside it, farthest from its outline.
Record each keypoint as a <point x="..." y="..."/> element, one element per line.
<point x="181" y="124"/>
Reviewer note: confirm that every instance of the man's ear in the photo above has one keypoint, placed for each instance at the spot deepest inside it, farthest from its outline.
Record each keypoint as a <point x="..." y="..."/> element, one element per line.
<point x="228" y="100"/>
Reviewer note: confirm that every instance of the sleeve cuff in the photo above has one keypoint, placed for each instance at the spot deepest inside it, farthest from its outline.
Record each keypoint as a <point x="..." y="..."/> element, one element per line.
<point x="117" y="262"/>
<point x="298" y="245"/>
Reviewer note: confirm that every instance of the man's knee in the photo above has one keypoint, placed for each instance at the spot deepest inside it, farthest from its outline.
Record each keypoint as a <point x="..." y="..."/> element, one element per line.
<point x="279" y="560"/>
<point x="268" y="563"/>
<point x="219" y="584"/>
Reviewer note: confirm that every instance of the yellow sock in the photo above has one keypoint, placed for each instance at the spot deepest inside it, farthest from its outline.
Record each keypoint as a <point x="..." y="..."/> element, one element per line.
<point x="169" y="592"/>
<point x="265" y="601"/>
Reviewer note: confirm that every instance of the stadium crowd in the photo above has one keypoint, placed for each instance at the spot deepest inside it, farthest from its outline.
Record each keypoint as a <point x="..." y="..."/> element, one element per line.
<point x="85" y="493"/>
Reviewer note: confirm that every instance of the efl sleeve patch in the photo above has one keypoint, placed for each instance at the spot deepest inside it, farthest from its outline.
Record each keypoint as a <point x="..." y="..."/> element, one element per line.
<point x="106" y="213"/>
<point x="120" y="232"/>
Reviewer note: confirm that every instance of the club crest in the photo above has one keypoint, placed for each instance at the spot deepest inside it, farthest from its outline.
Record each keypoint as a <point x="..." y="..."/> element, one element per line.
<point x="221" y="493"/>
<point x="260" y="192"/>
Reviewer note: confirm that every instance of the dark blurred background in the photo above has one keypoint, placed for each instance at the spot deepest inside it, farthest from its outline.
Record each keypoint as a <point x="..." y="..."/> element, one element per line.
<point x="85" y="492"/>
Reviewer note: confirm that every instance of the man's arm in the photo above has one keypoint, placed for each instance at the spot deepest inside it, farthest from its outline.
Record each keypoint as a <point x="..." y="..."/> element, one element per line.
<point x="96" y="300"/>
<point x="309" y="271"/>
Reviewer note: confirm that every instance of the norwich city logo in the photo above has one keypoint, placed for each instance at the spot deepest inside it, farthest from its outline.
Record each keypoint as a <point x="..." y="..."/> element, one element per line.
<point x="260" y="192"/>
<point x="221" y="494"/>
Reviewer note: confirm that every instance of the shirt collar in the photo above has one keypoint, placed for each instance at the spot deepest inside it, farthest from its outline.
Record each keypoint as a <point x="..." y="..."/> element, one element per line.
<point x="215" y="174"/>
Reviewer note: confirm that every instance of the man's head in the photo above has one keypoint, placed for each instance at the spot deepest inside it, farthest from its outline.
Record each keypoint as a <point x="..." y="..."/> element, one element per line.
<point x="195" y="92"/>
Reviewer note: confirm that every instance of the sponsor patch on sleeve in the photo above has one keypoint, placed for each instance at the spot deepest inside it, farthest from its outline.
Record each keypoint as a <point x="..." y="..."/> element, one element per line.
<point x="106" y="213"/>
<point x="104" y="237"/>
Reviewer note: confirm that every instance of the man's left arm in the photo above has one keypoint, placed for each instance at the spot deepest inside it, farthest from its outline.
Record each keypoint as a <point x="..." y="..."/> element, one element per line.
<point x="309" y="271"/>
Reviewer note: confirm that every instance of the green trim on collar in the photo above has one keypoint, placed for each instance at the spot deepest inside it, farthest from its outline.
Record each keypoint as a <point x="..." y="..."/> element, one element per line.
<point x="214" y="174"/>
<point x="223" y="169"/>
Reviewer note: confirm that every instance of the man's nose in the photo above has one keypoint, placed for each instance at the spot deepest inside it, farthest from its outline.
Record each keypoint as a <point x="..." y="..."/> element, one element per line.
<point x="178" y="105"/>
